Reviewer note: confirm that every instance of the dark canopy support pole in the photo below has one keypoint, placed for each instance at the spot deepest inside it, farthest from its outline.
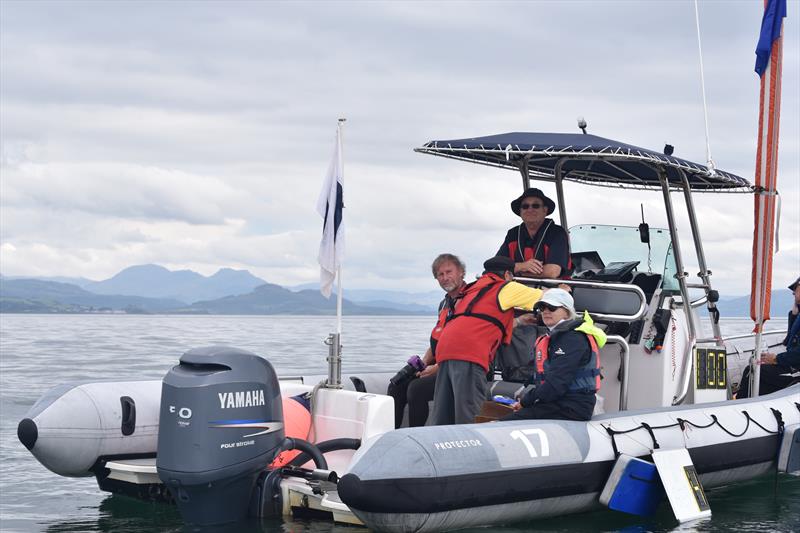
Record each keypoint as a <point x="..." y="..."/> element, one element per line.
<point x="704" y="273"/>
<point x="523" y="169"/>
<point x="562" y="212"/>
<point x="688" y="360"/>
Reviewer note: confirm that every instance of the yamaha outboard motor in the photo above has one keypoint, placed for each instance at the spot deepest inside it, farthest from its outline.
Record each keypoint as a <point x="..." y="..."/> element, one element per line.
<point x="221" y="425"/>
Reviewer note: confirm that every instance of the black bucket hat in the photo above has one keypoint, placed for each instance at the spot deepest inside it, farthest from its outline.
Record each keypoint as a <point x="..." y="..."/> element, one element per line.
<point x="499" y="265"/>
<point x="533" y="193"/>
<point x="794" y="285"/>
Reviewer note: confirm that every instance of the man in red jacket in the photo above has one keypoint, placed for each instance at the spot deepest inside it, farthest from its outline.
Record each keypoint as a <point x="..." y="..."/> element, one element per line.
<point x="416" y="392"/>
<point x="482" y="320"/>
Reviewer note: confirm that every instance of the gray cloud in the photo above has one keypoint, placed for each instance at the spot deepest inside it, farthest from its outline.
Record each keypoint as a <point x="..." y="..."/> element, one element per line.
<point x="196" y="134"/>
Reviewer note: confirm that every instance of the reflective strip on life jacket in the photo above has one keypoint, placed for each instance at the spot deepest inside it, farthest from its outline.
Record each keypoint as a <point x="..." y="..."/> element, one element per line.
<point x="586" y="379"/>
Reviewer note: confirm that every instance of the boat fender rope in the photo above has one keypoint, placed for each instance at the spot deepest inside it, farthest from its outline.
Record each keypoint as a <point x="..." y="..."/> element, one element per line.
<point x="646" y="426"/>
<point x="698" y="426"/>
<point x="683" y="423"/>
<point x="779" y="419"/>
<point x="611" y="434"/>
<point x="746" y="427"/>
<point x="749" y="419"/>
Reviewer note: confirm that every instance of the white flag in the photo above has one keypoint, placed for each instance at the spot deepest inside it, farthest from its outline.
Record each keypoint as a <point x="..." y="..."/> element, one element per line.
<point x="330" y="206"/>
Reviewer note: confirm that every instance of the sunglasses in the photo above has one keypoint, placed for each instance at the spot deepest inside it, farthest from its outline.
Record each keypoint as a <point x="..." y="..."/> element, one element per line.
<point x="530" y="206"/>
<point x="548" y="307"/>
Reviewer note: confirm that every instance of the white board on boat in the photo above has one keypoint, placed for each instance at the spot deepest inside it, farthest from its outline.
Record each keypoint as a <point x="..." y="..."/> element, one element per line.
<point x="789" y="455"/>
<point x="682" y="484"/>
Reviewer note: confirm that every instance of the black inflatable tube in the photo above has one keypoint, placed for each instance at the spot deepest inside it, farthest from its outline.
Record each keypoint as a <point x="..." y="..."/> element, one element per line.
<point x="325" y="447"/>
<point x="308" y="449"/>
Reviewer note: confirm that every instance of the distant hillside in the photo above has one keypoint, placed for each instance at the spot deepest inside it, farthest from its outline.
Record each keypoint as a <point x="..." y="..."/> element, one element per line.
<point x="270" y="299"/>
<point x="80" y="282"/>
<point x="739" y="306"/>
<point x="38" y="296"/>
<point x="412" y="301"/>
<point x="155" y="281"/>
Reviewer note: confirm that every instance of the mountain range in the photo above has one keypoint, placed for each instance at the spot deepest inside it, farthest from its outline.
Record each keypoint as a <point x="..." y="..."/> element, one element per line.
<point x="155" y="289"/>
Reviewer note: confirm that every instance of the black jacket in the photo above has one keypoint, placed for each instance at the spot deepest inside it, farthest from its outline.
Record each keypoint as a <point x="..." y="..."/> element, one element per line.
<point x="791" y="357"/>
<point x="569" y="351"/>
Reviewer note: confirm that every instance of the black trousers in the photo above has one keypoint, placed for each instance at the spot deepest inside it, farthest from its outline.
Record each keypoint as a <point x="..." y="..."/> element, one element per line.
<point x="771" y="380"/>
<point x="416" y="393"/>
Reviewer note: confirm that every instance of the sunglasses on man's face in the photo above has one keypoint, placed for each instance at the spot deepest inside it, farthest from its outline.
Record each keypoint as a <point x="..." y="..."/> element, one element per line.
<point x="548" y="307"/>
<point x="530" y="206"/>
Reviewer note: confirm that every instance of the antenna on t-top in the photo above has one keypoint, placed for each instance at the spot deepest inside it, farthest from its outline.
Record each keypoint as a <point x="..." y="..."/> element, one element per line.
<point x="582" y="124"/>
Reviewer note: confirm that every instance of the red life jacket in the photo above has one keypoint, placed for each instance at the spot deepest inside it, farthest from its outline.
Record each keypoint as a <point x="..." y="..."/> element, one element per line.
<point x="586" y="380"/>
<point x="478" y="326"/>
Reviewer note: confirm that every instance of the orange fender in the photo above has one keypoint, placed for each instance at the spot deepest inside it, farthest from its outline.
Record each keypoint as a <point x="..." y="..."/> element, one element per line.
<point x="297" y="424"/>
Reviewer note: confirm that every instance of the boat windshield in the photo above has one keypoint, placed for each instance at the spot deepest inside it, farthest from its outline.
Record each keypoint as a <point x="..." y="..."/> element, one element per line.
<point x="622" y="243"/>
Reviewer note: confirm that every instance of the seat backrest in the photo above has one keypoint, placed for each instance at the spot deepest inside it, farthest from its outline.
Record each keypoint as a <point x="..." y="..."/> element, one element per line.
<point x="607" y="301"/>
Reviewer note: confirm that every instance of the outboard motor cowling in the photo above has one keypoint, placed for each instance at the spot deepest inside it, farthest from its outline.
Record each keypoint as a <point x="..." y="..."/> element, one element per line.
<point x="221" y="424"/>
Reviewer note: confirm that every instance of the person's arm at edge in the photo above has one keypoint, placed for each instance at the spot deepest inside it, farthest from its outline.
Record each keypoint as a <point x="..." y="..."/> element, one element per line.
<point x="551" y="271"/>
<point x="514" y="294"/>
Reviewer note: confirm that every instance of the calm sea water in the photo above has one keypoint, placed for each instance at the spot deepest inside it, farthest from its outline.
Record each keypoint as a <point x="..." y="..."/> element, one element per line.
<point x="40" y="351"/>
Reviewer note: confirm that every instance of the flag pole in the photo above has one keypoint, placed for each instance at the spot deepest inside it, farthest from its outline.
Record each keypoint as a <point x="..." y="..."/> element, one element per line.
<point x="339" y="301"/>
<point x="769" y="59"/>
<point x="339" y="292"/>
<point x="334" y="340"/>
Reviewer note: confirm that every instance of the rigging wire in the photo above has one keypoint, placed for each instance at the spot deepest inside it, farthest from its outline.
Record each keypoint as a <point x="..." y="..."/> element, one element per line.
<point x="709" y="159"/>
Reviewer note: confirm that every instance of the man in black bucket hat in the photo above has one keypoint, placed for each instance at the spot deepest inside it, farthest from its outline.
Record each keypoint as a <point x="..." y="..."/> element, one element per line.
<point x="538" y="246"/>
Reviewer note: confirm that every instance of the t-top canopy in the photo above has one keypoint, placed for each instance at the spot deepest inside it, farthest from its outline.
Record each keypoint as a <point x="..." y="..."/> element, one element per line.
<point x="584" y="158"/>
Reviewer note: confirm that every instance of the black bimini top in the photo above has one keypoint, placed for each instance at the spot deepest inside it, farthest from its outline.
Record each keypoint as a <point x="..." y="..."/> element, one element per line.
<point x="584" y="158"/>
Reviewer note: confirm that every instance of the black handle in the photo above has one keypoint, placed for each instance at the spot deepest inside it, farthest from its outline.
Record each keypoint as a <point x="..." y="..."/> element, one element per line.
<point x="128" y="415"/>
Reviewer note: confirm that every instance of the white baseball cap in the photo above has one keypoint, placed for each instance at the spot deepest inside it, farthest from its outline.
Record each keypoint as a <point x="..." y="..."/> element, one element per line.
<point x="558" y="298"/>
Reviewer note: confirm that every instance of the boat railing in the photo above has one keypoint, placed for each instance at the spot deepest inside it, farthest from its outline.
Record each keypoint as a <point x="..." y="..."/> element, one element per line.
<point x="607" y="302"/>
<point x="748" y="335"/>
<point x="624" y="361"/>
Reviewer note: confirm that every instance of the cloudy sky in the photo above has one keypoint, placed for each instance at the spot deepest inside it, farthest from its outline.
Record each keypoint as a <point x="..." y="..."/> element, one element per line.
<point x="197" y="134"/>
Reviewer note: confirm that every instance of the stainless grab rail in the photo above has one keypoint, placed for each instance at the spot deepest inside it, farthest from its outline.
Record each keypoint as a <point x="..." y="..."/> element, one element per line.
<point x="624" y="356"/>
<point x="745" y="335"/>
